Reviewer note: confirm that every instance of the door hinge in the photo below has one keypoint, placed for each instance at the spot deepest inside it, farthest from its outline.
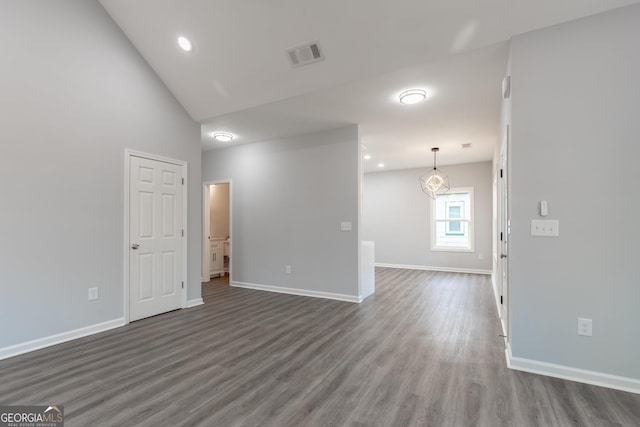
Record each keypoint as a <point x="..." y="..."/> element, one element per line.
<point x="182" y="285"/>
<point x="500" y="296"/>
<point x="183" y="180"/>
<point x="500" y="173"/>
<point x="501" y="236"/>
<point x="182" y="233"/>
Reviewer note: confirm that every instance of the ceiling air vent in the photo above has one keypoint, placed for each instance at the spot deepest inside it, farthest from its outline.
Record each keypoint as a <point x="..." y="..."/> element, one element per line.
<point x="305" y="54"/>
<point x="466" y="145"/>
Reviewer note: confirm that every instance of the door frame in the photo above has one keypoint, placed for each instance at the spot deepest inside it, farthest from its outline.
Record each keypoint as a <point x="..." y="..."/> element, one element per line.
<point x="504" y="227"/>
<point x="206" y="226"/>
<point x="128" y="153"/>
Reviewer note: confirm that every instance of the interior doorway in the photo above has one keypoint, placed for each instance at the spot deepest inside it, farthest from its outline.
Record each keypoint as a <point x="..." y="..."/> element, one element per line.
<point x="217" y="231"/>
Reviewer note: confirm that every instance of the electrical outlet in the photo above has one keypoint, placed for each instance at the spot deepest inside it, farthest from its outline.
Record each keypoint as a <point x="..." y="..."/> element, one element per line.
<point x="585" y="327"/>
<point x="287" y="269"/>
<point x="480" y="256"/>
<point x="93" y="294"/>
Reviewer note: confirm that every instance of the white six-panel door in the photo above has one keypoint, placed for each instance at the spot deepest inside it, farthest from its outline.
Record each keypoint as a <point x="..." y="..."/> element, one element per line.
<point x="155" y="237"/>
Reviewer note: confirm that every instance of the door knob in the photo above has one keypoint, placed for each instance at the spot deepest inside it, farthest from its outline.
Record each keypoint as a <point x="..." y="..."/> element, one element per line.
<point x="503" y="256"/>
<point x="135" y="246"/>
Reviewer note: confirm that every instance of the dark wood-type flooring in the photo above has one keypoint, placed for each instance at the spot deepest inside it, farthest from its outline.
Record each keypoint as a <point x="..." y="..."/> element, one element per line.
<point x="423" y="351"/>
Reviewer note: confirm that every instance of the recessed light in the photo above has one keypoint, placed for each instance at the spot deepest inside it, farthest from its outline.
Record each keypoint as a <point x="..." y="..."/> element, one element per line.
<point x="222" y="136"/>
<point x="412" y="96"/>
<point x="185" y="44"/>
<point x="380" y="165"/>
<point x="367" y="156"/>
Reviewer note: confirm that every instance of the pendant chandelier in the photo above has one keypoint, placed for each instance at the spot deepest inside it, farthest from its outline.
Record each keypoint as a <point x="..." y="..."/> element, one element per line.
<point x="434" y="182"/>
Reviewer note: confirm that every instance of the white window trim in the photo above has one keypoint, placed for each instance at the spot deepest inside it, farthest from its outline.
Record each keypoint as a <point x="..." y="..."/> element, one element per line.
<point x="471" y="221"/>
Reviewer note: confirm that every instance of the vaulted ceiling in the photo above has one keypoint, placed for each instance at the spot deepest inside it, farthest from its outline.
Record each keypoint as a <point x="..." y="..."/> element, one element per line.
<point x="238" y="77"/>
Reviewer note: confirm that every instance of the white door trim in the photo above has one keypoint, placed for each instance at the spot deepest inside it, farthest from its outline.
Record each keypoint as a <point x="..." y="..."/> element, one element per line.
<point x="206" y="232"/>
<point x="505" y="227"/>
<point x="128" y="153"/>
<point x="206" y="226"/>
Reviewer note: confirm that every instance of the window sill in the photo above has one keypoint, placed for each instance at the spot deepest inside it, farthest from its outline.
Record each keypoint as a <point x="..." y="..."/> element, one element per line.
<point x="468" y="250"/>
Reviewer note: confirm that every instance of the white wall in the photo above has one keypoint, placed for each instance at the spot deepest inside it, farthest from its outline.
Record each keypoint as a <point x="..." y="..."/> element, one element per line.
<point x="575" y="128"/>
<point x="75" y="94"/>
<point x="396" y="216"/>
<point x="289" y="197"/>
<point x="219" y="210"/>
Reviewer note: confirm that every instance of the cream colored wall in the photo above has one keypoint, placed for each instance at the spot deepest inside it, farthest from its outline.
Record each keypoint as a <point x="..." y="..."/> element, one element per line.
<point x="219" y="209"/>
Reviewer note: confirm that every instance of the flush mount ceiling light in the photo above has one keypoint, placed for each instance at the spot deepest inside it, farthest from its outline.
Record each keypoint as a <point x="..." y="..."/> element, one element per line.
<point x="380" y="165"/>
<point x="434" y="183"/>
<point x="185" y="44"/>
<point x="222" y="136"/>
<point x="367" y="156"/>
<point x="412" y="96"/>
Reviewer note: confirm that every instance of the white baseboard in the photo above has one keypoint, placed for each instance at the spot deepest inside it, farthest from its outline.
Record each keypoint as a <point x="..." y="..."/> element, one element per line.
<point x="631" y="385"/>
<point x="194" y="302"/>
<point x="39" y="343"/>
<point x="301" y="292"/>
<point x="445" y="269"/>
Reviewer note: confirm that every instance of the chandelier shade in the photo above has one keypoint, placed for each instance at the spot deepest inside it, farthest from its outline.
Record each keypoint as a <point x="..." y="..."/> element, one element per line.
<point x="434" y="182"/>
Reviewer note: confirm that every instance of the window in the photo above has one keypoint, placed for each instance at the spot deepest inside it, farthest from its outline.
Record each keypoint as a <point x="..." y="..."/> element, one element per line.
<point x="452" y="221"/>
<point x="454" y="211"/>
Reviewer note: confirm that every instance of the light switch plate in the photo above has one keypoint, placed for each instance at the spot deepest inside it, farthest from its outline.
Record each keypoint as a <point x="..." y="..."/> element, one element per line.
<point x="345" y="226"/>
<point x="545" y="227"/>
<point x="585" y="327"/>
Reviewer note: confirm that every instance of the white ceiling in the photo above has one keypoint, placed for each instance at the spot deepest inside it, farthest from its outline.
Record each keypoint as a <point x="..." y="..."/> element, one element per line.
<point x="238" y="77"/>
<point x="463" y="107"/>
